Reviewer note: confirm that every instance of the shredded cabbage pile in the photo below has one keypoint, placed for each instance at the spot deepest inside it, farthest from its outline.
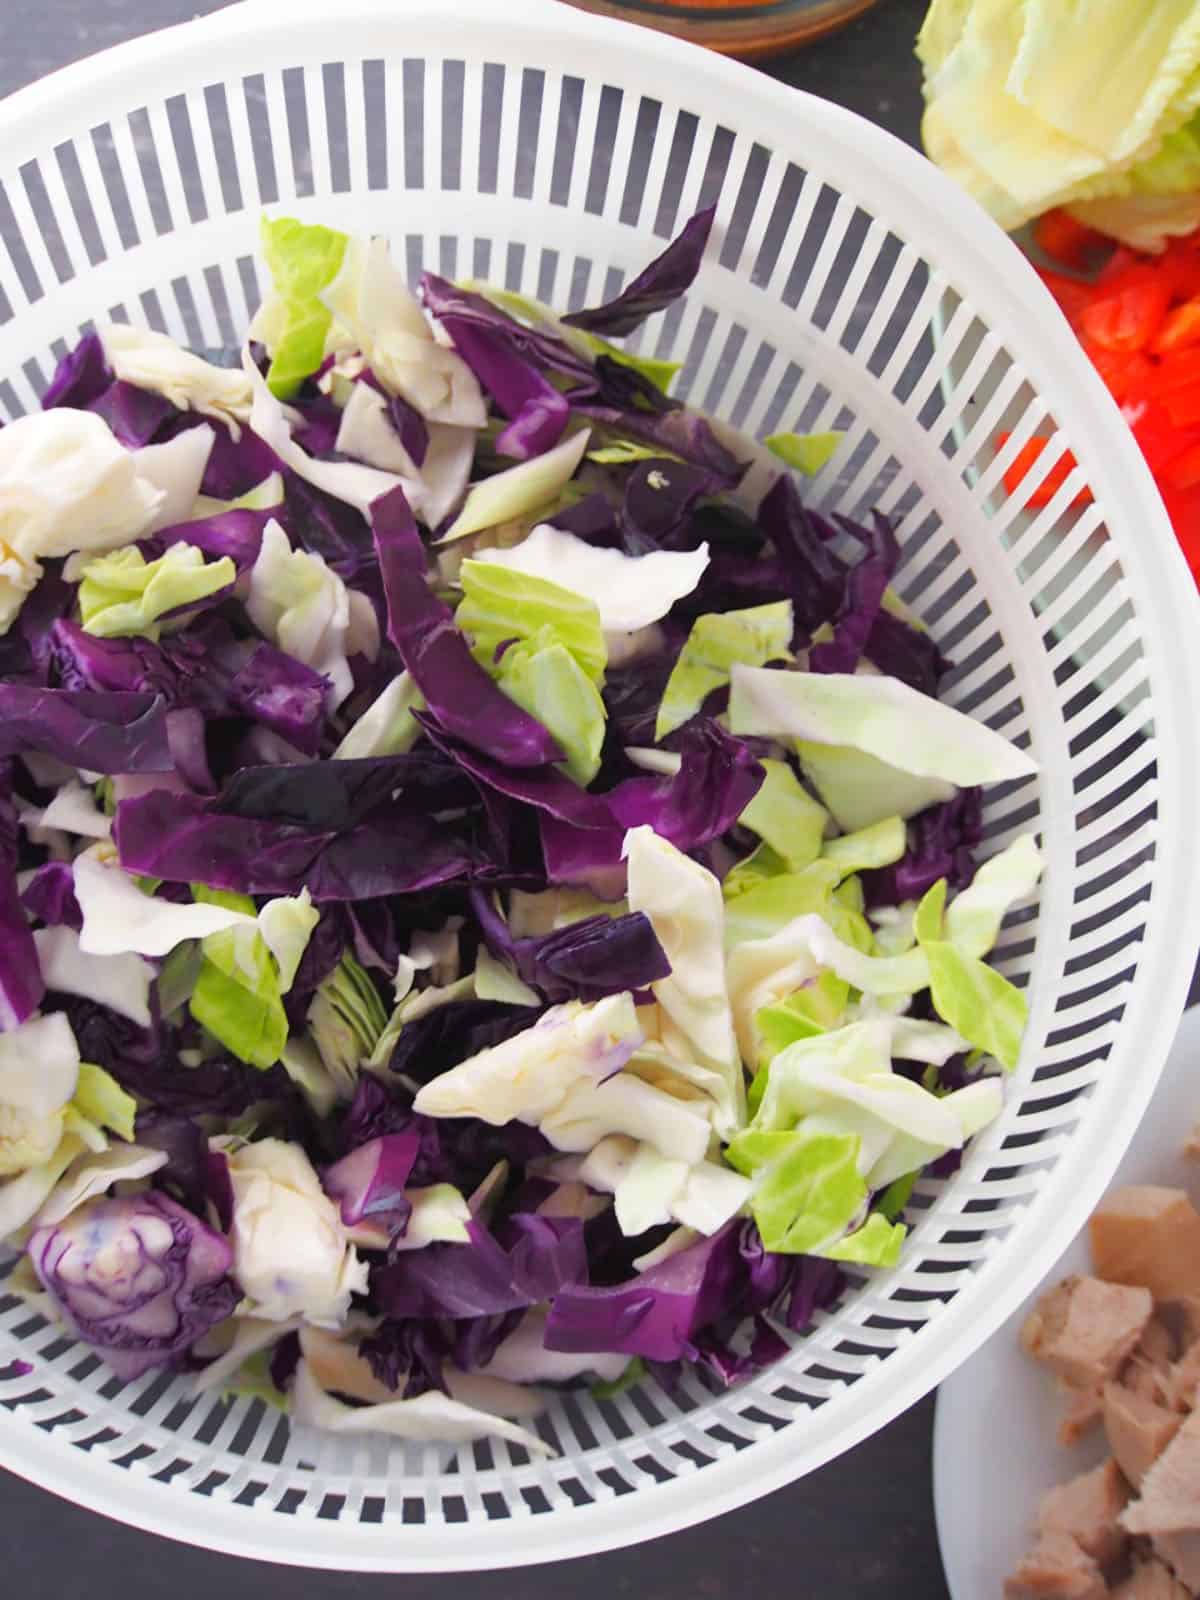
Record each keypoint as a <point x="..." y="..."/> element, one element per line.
<point x="481" y="905"/>
<point x="1095" y="105"/>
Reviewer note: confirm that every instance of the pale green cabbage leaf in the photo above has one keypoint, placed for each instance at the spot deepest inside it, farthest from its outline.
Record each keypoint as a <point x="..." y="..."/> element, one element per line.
<point x="684" y="904"/>
<point x="122" y="594"/>
<point x="806" y="452"/>
<point x="387" y="727"/>
<point x="518" y="491"/>
<point x="786" y="817"/>
<point x="880" y="716"/>
<point x="245" y="972"/>
<point x="629" y="592"/>
<point x="879" y="845"/>
<point x="1040" y="104"/>
<point x="561" y="1075"/>
<point x="861" y="790"/>
<point x="718" y="641"/>
<point x="547" y="681"/>
<point x="303" y="259"/>
<point x="500" y="605"/>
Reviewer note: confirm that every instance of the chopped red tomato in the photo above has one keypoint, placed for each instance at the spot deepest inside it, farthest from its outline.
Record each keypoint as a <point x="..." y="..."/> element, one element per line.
<point x="1026" y="457"/>
<point x="1138" y="319"/>
<point x="1184" y="471"/>
<point x="1183" y="507"/>
<point x="1178" y="370"/>
<point x="1073" y="294"/>
<point x="1070" y="243"/>
<point x="1118" y="263"/>
<point x="1183" y="405"/>
<point x="1127" y="374"/>
<point x="1130" y="314"/>
<point x="1182" y="260"/>
<point x="1161" y="442"/>
<point x="1180" y="330"/>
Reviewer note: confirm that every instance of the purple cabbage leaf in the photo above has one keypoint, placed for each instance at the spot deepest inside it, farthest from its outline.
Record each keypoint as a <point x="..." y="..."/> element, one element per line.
<point x="172" y="1287"/>
<point x="100" y="732"/>
<point x="528" y="1259"/>
<point x="185" y="839"/>
<point x="941" y="844"/>
<point x="657" y="286"/>
<point x="21" y="985"/>
<point x="369" y="1182"/>
<point x="586" y="960"/>
<point x="711" y="1286"/>
<point x="459" y="693"/>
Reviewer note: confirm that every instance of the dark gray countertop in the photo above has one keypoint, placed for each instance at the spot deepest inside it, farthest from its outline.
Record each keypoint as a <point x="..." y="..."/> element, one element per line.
<point x="861" y="1528"/>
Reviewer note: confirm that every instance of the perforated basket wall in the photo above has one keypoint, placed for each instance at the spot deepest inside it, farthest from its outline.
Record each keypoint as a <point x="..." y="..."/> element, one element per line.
<point x="550" y="151"/>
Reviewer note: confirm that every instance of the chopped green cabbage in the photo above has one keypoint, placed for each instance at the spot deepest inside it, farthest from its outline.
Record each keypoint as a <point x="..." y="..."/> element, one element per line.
<point x="101" y="1100"/>
<point x="879" y="716"/>
<point x="786" y="817"/>
<point x="1041" y="104"/>
<point x="518" y="491"/>
<point x="303" y="260"/>
<point x="347" y="1020"/>
<point x="387" y="727"/>
<point x="123" y="594"/>
<point x="500" y="604"/>
<point x="548" y="682"/>
<point x="877" y="846"/>
<point x="753" y="636"/>
<point x="971" y="997"/>
<point x="807" y="452"/>
<point x="245" y="972"/>
<point x="861" y="790"/>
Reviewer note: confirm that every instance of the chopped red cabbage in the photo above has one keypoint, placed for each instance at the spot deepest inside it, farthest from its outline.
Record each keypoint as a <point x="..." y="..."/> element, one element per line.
<point x="459" y="693"/>
<point x="668" y="276"/>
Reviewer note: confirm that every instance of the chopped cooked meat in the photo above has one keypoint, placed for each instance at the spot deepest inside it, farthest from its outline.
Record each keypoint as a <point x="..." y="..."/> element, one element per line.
<point x="1187" y="1315"/>
<point x="1150" y="1580"/>
<point x="1084" y="1329"/>
<point x="1181" y="1552"/>
<point x="1138" y="1430"/>
<point x="1148" y="1370"/>
<point x="1056" y="1569"/>
<point x="1183" y="1379"/>
<point x="1087" y="1510"/>
<point x="1170" y="1501"/>
<point x="1150" y="1236"/>
<point x="1084" y="1409"/>
<point x="1156" y="1347"/>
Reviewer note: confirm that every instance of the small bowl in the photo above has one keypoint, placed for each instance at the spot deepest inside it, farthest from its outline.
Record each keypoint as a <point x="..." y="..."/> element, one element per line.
<point x="747" y="29"/>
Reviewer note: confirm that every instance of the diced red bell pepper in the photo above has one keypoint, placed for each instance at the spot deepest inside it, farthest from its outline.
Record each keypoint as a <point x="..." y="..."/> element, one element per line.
<point x="1184" y="471"/>
<point x="1180" y="369"/>
<point x="1159" y="440"/>
<point x="1128" y="316"/>
<point x="1116" y="266"/>
<point x="1181" y="259"/>
<point x="1181" y="329"/>
<point x="1138" y="319"/>
<point x="1129" y="375"/>
<point x="1183" y="507"/>
<point x="1183" y="405"/>
<point x="1026" y="457"/>
<point x="1074" y="296"/>
<point x="1070" y="243"/>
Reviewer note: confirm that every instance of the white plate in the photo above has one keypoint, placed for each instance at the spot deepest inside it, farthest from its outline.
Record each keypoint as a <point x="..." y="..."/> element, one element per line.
<point x="994" y="1446"/>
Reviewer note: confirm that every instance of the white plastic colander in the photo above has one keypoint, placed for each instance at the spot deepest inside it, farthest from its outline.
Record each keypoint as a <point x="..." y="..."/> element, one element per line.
<point x="553" y="152"/>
